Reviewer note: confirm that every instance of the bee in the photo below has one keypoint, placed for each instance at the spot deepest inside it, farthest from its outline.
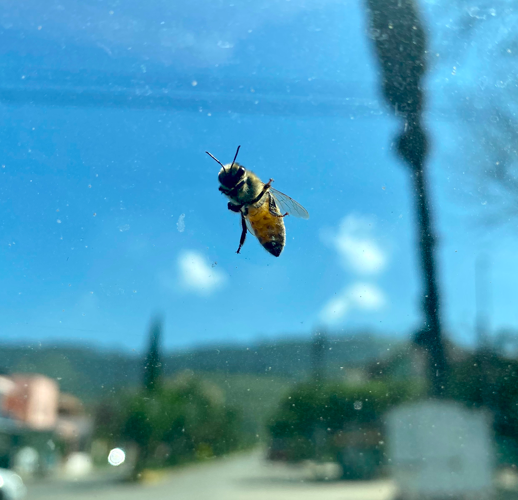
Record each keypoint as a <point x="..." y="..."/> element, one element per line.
<point x="261" y="207"/>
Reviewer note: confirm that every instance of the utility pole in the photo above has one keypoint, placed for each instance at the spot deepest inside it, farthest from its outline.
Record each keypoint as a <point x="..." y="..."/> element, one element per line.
<point x="483" y="347"/>
<point x="318" y="348"/>
<point x="482" y="299"/>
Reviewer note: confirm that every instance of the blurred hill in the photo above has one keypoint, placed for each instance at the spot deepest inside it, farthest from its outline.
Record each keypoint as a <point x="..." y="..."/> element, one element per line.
<point x="91" y="373"/>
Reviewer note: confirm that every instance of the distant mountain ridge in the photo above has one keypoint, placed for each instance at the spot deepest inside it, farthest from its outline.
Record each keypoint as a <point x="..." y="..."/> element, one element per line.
<point x="91" y="373"/>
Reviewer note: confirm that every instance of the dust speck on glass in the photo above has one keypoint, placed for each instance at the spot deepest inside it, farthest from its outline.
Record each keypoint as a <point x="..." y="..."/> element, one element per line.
<point x="179" y="322"/>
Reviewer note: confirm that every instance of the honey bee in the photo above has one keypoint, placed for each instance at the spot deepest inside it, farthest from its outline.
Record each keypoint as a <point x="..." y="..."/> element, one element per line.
<point x="261" y="206"/>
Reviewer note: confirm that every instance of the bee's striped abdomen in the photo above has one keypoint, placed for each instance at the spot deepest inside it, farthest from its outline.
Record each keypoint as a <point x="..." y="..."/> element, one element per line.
<point x="268" y="229"/>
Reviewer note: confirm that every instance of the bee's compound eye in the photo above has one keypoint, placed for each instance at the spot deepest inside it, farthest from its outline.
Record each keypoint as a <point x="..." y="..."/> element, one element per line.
<point x="241" y="171"/>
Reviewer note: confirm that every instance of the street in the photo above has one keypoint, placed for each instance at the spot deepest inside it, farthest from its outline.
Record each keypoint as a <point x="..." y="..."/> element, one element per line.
<point x="245" y="476"/>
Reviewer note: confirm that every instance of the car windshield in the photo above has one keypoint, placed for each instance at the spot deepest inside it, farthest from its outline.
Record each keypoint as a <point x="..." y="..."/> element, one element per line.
<point x="320" y="307"/>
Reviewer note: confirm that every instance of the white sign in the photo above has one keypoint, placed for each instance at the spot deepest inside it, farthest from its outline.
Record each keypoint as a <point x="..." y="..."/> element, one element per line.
<point x="440" y="449"/>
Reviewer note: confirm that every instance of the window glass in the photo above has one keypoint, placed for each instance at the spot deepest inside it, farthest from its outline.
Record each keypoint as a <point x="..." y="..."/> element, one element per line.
<point x="138" y="346"/>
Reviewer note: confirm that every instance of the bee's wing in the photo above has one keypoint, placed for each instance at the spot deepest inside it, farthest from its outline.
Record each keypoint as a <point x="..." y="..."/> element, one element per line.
<point x="287" y="204"/>
<point x="249" y="227"/>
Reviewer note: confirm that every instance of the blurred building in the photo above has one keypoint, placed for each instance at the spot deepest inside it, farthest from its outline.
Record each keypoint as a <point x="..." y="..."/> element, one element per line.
<point x="409" y="361"/>
<point x="34" y="415"/>
<point x="28" y="416"/>
<point x="73" y="425"/>
<point x="31" y="399"/>
<point x="6" y="386"/>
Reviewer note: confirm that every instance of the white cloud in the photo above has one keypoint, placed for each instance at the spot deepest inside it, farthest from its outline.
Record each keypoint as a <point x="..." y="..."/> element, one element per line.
<point x="335" y="309"/>
<point x="360" y="253"/>
<point x="356" y="245"/>
<point x="366" y="296"/>
<point x="359" y="296"/>
<point x="197" y="275"/>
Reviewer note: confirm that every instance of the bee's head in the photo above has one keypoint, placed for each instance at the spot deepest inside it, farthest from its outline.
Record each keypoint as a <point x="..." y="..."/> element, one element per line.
<point x="230" y="176"/>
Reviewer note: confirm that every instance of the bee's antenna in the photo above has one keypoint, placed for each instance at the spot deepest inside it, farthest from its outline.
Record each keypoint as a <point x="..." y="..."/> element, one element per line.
<point x="234" y="160"/>
<point x="215" y="159"/>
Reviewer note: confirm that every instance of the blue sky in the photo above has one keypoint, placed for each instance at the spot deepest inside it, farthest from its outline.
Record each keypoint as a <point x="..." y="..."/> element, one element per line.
<point x="112" y="213"/>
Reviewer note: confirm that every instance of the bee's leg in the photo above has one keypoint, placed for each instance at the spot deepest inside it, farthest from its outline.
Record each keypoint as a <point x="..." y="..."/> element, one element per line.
<point x="243" y="233"/>
<point x="279" y="215"/>
<point x="234" y="208"/>
<point x="261" y="194"/>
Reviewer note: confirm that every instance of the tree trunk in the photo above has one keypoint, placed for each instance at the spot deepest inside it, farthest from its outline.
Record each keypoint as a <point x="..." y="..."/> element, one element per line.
<point x="432" y="333"/>
<point x="400" y="43"/>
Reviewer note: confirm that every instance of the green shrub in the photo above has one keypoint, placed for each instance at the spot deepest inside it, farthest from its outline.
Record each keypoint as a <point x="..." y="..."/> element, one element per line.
<point x="317" y="420"/>
<point x="185" y="419"/>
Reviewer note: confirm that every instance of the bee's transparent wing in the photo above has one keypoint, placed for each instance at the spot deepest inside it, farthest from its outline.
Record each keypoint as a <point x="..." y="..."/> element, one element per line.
<point x="287" y="204"/>
<point x="249" y="227"/>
